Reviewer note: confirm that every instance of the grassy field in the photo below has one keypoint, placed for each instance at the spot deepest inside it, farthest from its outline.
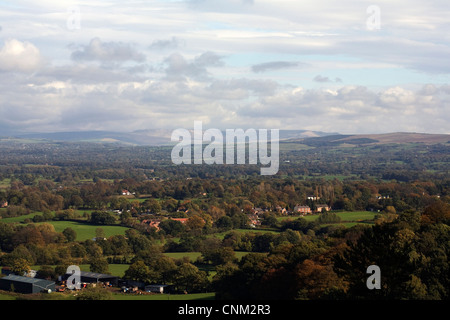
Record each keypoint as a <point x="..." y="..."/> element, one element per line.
<point x="20" y="219"/>
<point x="192" y="296"/>
<point x="115" y="296"/>
<point x="86" y="231"/>
<point x="347" y="217"/>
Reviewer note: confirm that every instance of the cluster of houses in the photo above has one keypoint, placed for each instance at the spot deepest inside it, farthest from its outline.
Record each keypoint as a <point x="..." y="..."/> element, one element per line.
<point x="256" y="216"/>
<point x="154" y="223"/>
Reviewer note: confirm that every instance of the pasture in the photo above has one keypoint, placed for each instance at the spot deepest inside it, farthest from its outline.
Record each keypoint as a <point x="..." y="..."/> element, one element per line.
<point x="85" y="230"/>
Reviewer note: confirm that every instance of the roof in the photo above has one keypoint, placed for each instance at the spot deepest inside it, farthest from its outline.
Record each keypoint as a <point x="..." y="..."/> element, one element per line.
<point x="35" y="281"/>
<point x="157" y="285"/>
<point x="94" y="275"/>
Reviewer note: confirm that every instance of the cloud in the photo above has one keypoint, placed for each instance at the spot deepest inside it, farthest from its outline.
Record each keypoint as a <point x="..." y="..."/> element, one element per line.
<point x="171" y="44"/>
<point x="20" y="56"/>
<point x="178" y="68"/>
<point x="275" y="65"/>
<point x="323" y="79"/>
<point x="97" y="50"/>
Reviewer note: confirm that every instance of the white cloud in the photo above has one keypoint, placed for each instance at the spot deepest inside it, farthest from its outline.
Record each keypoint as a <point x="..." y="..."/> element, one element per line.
<point x="20" y="56"/>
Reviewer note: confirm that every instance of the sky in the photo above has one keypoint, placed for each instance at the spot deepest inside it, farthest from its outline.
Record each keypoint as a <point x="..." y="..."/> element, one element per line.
<point x="335" y="66"/>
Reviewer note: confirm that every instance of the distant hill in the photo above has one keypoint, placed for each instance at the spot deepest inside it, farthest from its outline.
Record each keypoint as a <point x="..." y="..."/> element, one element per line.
<point x="368" y="139"/>
<point x="152" y="137"/>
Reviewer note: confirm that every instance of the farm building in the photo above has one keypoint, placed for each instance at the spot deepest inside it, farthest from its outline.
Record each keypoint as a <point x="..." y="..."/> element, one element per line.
<point x="157" y="288"/>
<point x="93" y="277"/>
<point x="26" y="285"/>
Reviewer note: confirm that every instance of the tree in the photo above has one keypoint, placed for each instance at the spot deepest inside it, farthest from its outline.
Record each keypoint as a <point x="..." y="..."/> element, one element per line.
<point x="99" y="265"/>
<point x="152" y="205"/>
<point x="70" y="234"/>
<point x="390" y="246"/>
<point x="172" y="227"/>
<point x="314" y="281"/>
<point x="46" y="272"/>
<point x="138" y="271"/>
<point x="438" y="212"/>
<point x="224" y="223"/>
<point x="219" y="256"/>
<point x="99" y="234"/>
<point x="20" y="266"/>
<point x="163" y="270"/>
<point x="6" y="235"/>
<point x="103" y="218"/>
<point x="195" y="223"/>
<point x="189" y="278"/>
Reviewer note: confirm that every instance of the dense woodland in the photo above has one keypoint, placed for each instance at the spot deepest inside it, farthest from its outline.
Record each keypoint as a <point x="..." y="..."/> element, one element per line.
<point x="406" y="186"/>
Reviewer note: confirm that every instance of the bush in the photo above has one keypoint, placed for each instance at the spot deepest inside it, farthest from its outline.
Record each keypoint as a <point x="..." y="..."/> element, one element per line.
<point x="94" y="293"/>
<point x="328" y="217"/>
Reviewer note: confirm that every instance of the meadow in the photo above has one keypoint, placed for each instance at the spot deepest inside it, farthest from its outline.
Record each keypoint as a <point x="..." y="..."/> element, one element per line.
<point x="349" y="218"/>
<point x="85" y="230"/>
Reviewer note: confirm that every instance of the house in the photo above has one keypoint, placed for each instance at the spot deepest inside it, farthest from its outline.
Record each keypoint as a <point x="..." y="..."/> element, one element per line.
<point x="126" y="192"/>
<point x="253" y="220"/>
<point x="182" y="220"/>
<point x="322" y="207"/>
<point x="258" y="210"/>
<point x="26" y="285"/>
<point x="302" y="209"/>
<point x="281" y="210"/>
<point x="313" y="198"/>
<point x="3" y="204"/>
<point x="153" y="223"/>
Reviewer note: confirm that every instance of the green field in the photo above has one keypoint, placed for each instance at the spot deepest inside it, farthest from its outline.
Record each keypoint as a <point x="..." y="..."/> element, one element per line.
<point x="31" y="215"/>
<point x="117" y="296"/>
<point x="347" y="217"/>
<point x="19" y="218"/>
<point x="192" y="296"/>
<point x="86" y="231"/>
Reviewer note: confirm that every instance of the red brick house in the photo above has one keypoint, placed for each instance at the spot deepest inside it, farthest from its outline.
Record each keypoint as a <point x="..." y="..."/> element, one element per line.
<point x="302" y="209"/>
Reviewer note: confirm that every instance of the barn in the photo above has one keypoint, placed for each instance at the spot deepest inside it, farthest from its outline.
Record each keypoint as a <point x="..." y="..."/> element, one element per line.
<point x="25" y="284"/>
<point x="93" y="277"/>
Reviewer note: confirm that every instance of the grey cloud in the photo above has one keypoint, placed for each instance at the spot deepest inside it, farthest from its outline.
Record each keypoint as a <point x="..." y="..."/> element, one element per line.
<point x="267" y="66"/>
<point x="323" y="79"/>
<point x="171" y="44"/>
<point x="319" y="78"/>
<point x="178" y="68"/>
<point x="97" y="50"/>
